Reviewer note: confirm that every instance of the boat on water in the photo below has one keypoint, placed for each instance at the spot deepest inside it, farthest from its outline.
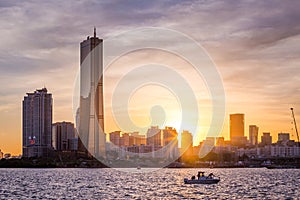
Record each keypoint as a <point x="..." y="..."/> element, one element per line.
<point x="201" y="179"/>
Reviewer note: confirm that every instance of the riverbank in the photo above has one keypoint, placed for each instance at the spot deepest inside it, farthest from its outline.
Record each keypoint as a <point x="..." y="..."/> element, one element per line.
<point x="93" y="163"/>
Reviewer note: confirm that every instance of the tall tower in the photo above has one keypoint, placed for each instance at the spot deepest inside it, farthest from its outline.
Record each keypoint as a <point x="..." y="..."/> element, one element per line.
<point x="237" y="135"/>
<point x="37" y="124"/>
<point x="91" y="113"/>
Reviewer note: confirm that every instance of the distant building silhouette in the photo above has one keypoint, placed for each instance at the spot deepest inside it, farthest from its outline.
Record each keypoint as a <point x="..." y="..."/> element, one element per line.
<point x="253" y="134"/>
<point x="114" y="137"/>
<point x="220" y="141"/>
<point x="37" y="124"/>
<point x="154" y="136"/>
<point x="169" y="135"/>
<point x="170" y="142"/>
<point x="186" y="143"/>
<point x="283" y="137"/>
<point x="186" y="140"/>
<point x="136" y="139"/>
<point x="63" y="135"/>
<point x="237" y="133"/>
<point x="206" y="146"/>
<point x="266" y="139"/>
<point x="125" y="139"/>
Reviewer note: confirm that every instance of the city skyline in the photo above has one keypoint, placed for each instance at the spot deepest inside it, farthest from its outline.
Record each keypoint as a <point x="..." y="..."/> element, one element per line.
<point x="65" y="131"/>
<point x="256" y="55"/>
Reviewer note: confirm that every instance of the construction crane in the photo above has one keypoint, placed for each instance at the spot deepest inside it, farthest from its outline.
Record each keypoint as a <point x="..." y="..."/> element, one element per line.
<point x="292" y="109"/>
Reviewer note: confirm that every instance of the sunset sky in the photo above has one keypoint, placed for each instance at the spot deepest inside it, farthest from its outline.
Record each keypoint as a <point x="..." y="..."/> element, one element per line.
<point x="254" y="44"/>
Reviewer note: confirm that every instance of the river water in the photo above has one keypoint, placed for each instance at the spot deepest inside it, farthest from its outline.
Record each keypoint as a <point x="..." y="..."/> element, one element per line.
<point x="82" y="183"/>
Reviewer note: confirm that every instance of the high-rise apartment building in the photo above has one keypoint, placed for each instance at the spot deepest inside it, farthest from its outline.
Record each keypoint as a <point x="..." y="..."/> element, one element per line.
<point x="266" y="139"/>
<point x="186" y="140"/>
<point x="169" y="135"/>
<point x="125" y="140"/>
<point x="136" y="139"/>
<point x="114" y="137"/>
<point x="186" y="144"/>
<point x="91" y="113"/>
<point x="154" y="136"/>
<point x="170" y="142"/>
<point x="37" y="124"/>
<point x="62" y="135"/>
<point x="253" y="134"/>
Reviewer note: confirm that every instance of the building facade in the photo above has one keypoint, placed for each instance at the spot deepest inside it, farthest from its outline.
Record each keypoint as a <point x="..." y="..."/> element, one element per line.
<point x="186" y="140"/>
<point x="114" y="137"/>
<point x="62" y="134"/>
<point x="283" y="137"/>
<point x="253" y="134"/>
<point x="37" y="124"/>
<point x="266" y="139"/>
<point x="170" y="142"/>
<point x="91" y="114"/>
<point x="237" y="132"/>
<point x="154" y="136"/>
<point x="186" y="144"/>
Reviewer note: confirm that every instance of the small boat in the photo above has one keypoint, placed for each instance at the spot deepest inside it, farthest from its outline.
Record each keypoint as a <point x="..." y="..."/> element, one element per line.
<point x="210" y="179"/>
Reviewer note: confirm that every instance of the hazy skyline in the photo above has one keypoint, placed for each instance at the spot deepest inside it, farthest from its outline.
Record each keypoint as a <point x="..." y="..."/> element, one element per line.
<point x="254" y="44"/>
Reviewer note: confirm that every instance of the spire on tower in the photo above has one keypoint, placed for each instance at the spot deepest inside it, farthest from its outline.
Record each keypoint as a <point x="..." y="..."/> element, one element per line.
<point x="94" y="31"/>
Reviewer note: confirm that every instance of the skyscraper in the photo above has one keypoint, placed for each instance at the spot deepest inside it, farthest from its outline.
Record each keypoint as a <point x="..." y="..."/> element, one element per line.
<point x="237" y="135"/>
<point x="37" y="124"/>
<point x="253" y="134"/>
<point x="91" y="114"/>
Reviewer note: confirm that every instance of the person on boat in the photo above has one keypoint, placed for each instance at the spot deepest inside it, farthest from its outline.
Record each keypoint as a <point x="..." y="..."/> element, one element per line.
<point x="210" y="176"/>
<point x="199" y="175"/>
<point x="193" y="178"/>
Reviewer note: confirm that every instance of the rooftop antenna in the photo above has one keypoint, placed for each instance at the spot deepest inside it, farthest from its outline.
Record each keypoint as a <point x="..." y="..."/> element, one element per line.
<point x="94" y="31"/>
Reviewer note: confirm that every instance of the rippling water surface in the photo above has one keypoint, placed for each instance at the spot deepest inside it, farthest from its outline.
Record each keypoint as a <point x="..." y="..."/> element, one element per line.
<point x="161" y="184"/>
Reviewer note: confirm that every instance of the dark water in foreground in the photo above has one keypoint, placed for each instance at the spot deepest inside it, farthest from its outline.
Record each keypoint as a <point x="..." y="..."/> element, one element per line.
<point x="161" y="184"/>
